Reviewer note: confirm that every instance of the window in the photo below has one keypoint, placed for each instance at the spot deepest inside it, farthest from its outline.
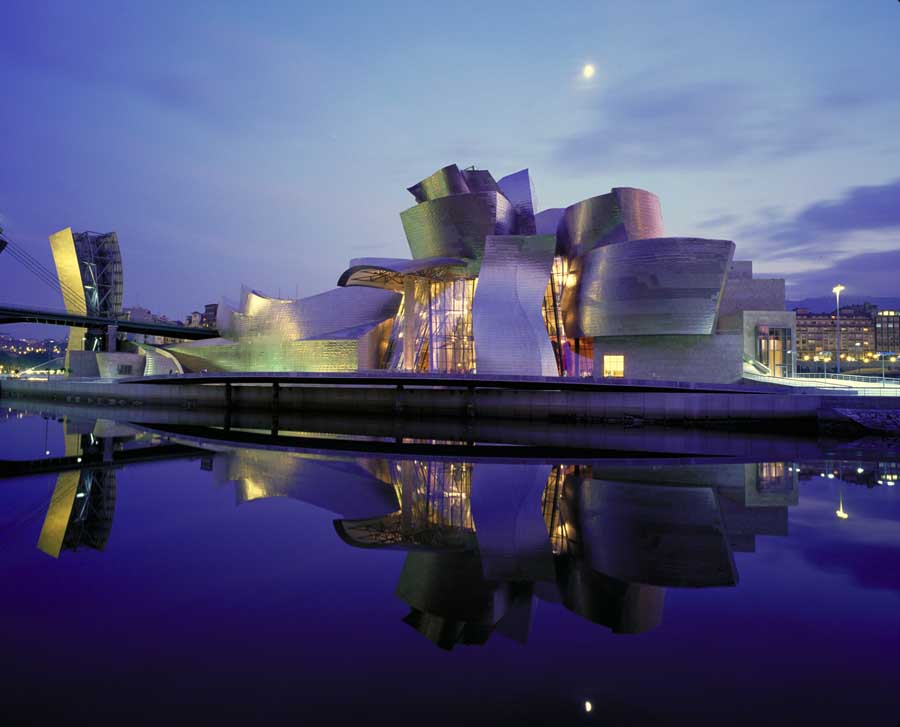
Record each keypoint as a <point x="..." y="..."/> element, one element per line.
<point x="126" y="369"/>
<point x="614" y="366"/>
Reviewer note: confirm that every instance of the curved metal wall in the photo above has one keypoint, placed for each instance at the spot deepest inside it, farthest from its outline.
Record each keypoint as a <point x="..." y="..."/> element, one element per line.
<point x="443" y="183"/>
<point x="623" y="214"/>
<point x="658" y="286"/>
<point x="641" y="213"/>
<point x="510" y="335"/>
<point x="339" y="330"/>
<point x="519" y="191"/>
<point x="313" y="317"/>
<point x="456" y="226"/>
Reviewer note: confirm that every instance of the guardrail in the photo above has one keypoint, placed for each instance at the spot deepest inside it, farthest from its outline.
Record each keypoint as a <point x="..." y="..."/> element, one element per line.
<point x="871" y="380"/>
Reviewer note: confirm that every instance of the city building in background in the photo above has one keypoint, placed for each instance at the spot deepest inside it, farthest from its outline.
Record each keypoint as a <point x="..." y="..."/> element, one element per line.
<point x="817" y="335"/>
<point x="210" y="315"/>
<point x="595" y="289"/>
<point x="887" y="331"/>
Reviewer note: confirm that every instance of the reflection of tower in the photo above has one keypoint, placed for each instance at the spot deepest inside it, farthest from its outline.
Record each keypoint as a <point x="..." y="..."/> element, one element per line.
<point x="452" y="603"/>
<point x="83" y="503"/>
<point x="89" y="266"/>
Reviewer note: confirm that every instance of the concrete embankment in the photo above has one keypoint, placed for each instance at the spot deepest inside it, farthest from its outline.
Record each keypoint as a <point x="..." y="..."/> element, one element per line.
<point x="479" y="399"/>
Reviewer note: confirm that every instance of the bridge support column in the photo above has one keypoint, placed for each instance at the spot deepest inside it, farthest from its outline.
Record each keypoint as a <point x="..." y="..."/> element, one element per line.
<point x="111" y="333"/>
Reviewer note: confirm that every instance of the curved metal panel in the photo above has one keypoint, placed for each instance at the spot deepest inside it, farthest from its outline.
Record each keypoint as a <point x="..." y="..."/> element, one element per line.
<point x="443" y="183"/>
<point x="480" y="180"/>
<point x="315" y="316"/>
<point x="641" y="213"/>
<point x="339" y="330"/>
<point x="519" y="190"/>
<point x="62" y="245"/>
<point x="457" y="226"/>
<point x="547" y="221"/>
<point x="510" y="335"/>
<point x="669" y="285"/>
<point x="623" y="214"/>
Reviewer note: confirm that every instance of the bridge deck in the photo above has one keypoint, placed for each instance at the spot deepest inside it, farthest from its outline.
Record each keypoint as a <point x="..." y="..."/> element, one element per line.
<point x="15" y="314"/>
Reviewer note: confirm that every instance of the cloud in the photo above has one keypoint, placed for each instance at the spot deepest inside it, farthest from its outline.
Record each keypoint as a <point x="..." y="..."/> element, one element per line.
<point x="726" y="220"/>
<point x="873" y="207"/>
<point x="854" y="238"/>
<point x="869" y="274"/>
<point x="706" y="124"/>
<point x="223" y="82"/>
<point x="863" y="219"/>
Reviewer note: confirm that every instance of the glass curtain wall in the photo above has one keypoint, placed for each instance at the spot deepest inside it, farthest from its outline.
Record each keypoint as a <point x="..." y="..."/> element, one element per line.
<point x="439" y="330"/>
<point x="774" y="348"/>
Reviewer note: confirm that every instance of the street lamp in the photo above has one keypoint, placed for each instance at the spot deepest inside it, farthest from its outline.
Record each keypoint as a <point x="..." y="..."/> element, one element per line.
<point x="837" y="294"/>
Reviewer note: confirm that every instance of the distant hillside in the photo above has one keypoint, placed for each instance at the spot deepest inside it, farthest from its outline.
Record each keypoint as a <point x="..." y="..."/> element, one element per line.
<point x="825" y="303"/>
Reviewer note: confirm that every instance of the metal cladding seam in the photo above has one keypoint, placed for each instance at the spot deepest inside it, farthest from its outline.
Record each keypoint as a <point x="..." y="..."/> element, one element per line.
<point x="659" y="286"/>
<point x="507" y="324"/>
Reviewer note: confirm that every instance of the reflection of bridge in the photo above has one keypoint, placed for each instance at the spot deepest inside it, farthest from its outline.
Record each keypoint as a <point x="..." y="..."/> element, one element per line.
<point x="14" y="314"/>
<point x="12" y="469"/>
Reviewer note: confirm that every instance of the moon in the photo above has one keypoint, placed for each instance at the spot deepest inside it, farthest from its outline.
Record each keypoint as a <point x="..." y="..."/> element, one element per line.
<point x="588" y="71"/>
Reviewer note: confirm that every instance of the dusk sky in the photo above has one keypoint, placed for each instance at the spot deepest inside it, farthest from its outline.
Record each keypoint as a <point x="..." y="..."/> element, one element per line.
<point x="230" y="144"/>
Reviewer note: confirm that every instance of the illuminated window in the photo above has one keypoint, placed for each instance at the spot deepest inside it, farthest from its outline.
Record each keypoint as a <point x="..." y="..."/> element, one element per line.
<point x="614" y="366"/>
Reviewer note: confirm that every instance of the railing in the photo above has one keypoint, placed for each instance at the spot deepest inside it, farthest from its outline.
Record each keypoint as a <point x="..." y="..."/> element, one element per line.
<point x="815" y="384"/>
<point x="872" y="380"/>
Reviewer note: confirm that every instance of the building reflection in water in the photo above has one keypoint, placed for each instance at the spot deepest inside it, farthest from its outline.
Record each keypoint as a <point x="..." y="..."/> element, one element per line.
<point x="485" y="539"/>
<point x="81" y="508"/>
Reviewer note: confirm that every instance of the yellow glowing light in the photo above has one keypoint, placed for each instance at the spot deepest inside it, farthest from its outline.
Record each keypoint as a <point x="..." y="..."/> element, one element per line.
<point x="588" y="71"/>
<point x="840" y="511"/>
<point x="588" y="706"/>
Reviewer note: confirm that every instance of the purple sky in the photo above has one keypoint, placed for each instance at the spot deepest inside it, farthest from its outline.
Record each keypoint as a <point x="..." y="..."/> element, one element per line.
<point x="228" y="144"/>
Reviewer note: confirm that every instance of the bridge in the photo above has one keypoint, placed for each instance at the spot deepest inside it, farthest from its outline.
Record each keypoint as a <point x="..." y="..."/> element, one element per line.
<point x="91" y="321"/>
<point x="15" y="314"/>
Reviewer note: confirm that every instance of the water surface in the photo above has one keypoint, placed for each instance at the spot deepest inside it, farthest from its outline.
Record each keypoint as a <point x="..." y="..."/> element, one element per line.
<point x="297" y="584"/>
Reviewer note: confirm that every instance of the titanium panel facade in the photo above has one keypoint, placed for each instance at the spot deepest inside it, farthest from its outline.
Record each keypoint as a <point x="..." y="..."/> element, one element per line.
<point x="623" y="214"/>
<point x="443" y="183"/>
<point x="510" y="334"/>
<point x="68" y="270"/>
<point x="457" y="226"/>
<point x="313" y="317"/>
<point x="344" y="329"/>
<point x="519" y="190"/>
<point x="660" y="286"/>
